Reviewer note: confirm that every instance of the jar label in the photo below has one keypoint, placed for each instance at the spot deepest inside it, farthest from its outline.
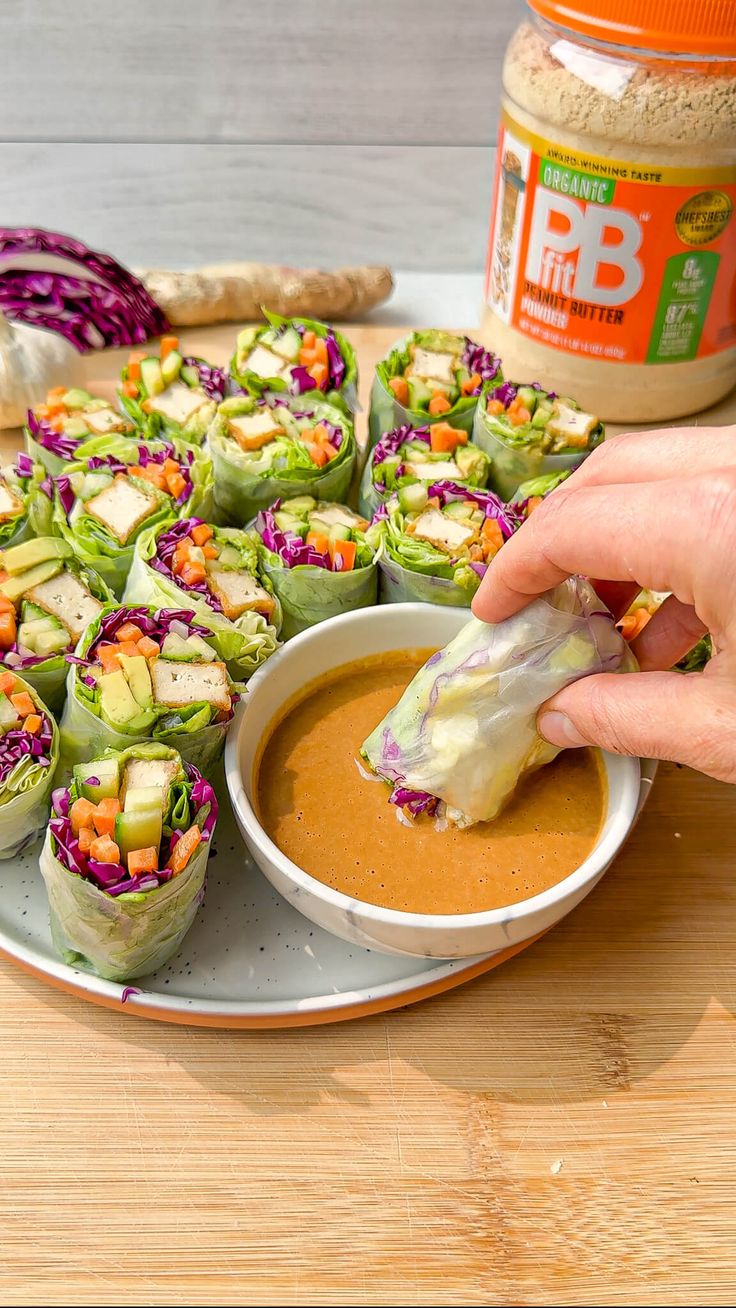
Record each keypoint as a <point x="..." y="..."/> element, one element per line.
<point x="628" y="262"/>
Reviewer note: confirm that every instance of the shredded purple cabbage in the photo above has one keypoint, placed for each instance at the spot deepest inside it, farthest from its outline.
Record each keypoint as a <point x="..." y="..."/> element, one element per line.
<point x="17" y="743"/>
<point x="214" y="381"/>
<point x="103" y="305"/>
<point x="24" y="465"/>
<point x="480" y="361"/>
<point x="64" y="491"/>
<point x="335" y="362"/>
<point x="392" y="441"/>
<point x="291" y="549"/>
<point x="163" y="559"/>
<point x="508" y="391"/>
<point x="156" y="627"/>
<point x="302" y="381"/>
<point x="416" y="801"/>
<point x="110" y="463"/>
<point x="506" y="515"/>
<point x="55" y="441"/>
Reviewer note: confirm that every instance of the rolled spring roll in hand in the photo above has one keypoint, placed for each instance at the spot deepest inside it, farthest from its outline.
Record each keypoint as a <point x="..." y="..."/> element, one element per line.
<point x="464" y="732"/>
<point x="125" y="859"/>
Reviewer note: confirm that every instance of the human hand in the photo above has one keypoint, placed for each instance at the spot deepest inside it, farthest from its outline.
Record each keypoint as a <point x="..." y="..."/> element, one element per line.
<point x="656" y="510"/>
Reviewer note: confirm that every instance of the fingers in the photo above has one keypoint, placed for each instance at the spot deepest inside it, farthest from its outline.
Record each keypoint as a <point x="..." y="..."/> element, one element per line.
<point x="669" y="635"/>
<point x="651" y="714"/>
<point x="631" y="533"/>
<point x="656" y="456"/>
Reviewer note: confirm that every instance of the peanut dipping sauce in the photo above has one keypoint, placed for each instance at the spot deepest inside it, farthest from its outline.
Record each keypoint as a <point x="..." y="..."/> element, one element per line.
<point x="339" y="827"/>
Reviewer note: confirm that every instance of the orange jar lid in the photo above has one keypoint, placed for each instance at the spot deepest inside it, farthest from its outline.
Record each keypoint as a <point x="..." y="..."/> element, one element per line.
<point x="706" y="27"/>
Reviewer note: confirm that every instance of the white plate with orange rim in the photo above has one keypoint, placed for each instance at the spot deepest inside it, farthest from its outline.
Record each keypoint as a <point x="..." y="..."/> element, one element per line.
<point x="249" y="961"/>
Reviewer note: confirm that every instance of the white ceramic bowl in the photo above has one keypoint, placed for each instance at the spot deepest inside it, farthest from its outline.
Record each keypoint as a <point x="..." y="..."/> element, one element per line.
<point x="343" y="640"/>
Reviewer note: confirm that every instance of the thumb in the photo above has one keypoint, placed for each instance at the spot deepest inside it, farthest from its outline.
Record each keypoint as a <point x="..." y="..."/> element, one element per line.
<point x="688" y="719"/>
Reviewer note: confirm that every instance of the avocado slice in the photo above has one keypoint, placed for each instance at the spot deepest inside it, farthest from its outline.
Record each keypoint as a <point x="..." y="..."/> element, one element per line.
<point x="14" y="587"/>
<point x="118" y="705"/>
<point x="472" y="462"/>
<point x="138" y="829"/>
<point x="106" y="771"/>
<point x="171" y="366"/>
<point x="151" y="375"/>
<point x="135" y="667"/>
<point x="21" y="557"/>
<point x="140" y="798"/>
<point x="299" y="504"/>
<point x="8" y="715"/>
<point x="49" y="643"/>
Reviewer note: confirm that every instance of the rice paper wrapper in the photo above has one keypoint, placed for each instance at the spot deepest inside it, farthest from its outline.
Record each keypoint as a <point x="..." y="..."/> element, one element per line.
<point x="247" y="642"/>
<point x="309" y="594"/>
<point x="398" y="584"/>
<point x="239" y="495"/>
<point x="48" y="679"/>
<point x="464" y="731"/>
<point x="124" y="936"/>
<point x="25" y="798"/>
<point x="512" y="465"/>
<point x="386" y="414"/>
<point x="369" y="499"/>
<point x="85" y="736"/>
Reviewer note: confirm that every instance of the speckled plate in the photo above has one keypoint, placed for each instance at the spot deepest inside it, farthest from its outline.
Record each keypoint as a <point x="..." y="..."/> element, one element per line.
<point x="250" y="959"/>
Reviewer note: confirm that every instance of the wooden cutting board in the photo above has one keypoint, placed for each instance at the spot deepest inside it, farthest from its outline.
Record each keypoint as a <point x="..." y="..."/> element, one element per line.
<point x="558" y="1132"/>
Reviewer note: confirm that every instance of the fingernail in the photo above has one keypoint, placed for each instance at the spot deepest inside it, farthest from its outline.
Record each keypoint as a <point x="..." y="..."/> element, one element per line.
<point x="559" y="730"/>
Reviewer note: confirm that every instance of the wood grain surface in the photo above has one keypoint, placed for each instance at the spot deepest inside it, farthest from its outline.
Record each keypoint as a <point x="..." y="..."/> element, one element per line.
<point x="558" y="1132"/>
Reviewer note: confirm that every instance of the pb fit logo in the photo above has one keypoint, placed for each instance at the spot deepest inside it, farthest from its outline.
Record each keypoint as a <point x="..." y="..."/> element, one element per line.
<point x="585" y="252"/>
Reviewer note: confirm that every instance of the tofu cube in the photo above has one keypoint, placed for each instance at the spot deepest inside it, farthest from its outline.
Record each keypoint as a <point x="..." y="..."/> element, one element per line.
<point x="571" y="425"/>
<point x="178" y="684"/>
<point x="431" y="366"/>
<point x="10" y="503"/>
<point x="264" y="363"/>
<point x="438" y="471"/>
<point x="121" y="507"/>
<point x="67" y="599"/>
<point x="148" y="772"/>
<point x="444" y="533"/>
<point x="253" y="430"/>
<point x="102" y="421"/>
<point x="238" y="593"/>
<point x="178" y="402"/>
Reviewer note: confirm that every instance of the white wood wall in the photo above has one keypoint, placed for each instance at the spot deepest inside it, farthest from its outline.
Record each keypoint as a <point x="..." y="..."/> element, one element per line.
<point x="321" y="131"/>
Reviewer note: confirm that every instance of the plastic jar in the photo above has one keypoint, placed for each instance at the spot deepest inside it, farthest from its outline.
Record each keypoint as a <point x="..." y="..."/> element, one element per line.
<point x="611" y="271"/>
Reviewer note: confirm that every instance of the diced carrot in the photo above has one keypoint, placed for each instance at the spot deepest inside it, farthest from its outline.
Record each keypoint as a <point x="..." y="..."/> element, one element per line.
<point x="135" y="358"/>
<point x="201" y="533"/>
<point x="57" y="423"/>
<point x="318" y="542"/>
<point x="81" y="814"/>
<point x="108" y="657"/>
<point x="308" y="340"/>
<point x="307" y="357"/>
<point x="56" y="410"/>
<point x="168" y="343"/>
<point x="471" y="383"/>
<point x="318" y="454"/>
<point x="342" y="553"/>
<point x="41" y="410"/>
<point x="104" y="850"/>
<point x="183" y="850"/>
<point x="400" y="388"/>
<point x="128" y="631"/>
<point x="533" y="503"/>
<point x="6" y="605"/>
<point x="491" y="536"/>
<point x="104" y="816"/>
<point x="148" y="648"/>
<point x="130" y="388"/>
<point x="444" y="438"/>
<point x="319" y="374"/>
<point x="520" y="416"/>
<point x="8" y="630"/>
<point x="170" y="465"/>
<point x="23" y="704"/>
<point x="633" y="623"/>
<point x="176" y="484"/>
<point x="56" y="393"/>
<point x="193" y="573"/>
<point x="494" y="406"/>
<point x="433" y="502"/>
<point x="7" y="682"/>
<point x="143" y="860"/>
<point x="85" y="838"/>
<point x="32" y="724"/>
<point x="320" y="350"/>
<point x="329" y="450"/>
<point x="210" y="551"/>
<point x="439" y="403"/>
<point x="129" y="647"/>
<point x="320" y="433"/>
<point x="3" y="575"/>
<point x="152" y="472"/>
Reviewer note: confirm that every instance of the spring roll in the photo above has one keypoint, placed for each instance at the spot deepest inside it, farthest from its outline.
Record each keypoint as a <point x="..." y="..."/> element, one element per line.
<point x="318" y="559"/>
<point x="142" y="673"/>
<point x="29" y="753"/>
<point x="432" y="376"/>
<point x="25" y="501"/>
<point x="215" y="571"/>
<point x="57" y="432"/>
<point x="125" y="859"/>
<point x="172" y="395"/>
<point x="297" y="355"/>
<point x="464" y="732"/>
<point x="527" y="432"/>
<point x="104" y="503"/>
<point x="276" y="447"/>
<point x="47" y="599"/>
<point x="422" y="455"/>
<point x="437" y="541"/>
